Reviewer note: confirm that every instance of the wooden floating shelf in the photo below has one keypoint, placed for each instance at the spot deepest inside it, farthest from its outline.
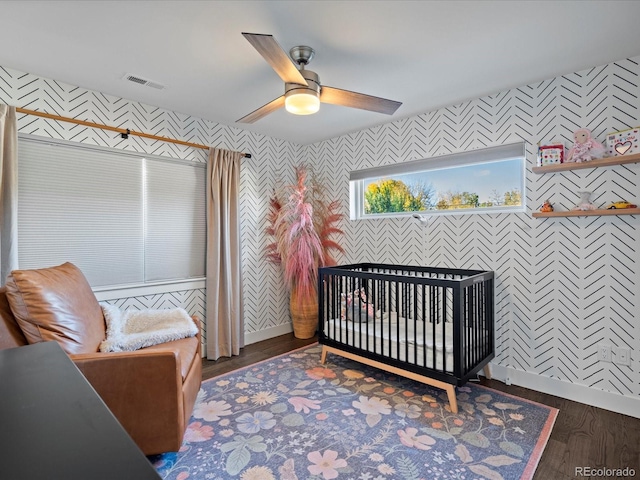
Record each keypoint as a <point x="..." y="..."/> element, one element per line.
<point x="601" y="162"/>
<point x="588" y="213"/>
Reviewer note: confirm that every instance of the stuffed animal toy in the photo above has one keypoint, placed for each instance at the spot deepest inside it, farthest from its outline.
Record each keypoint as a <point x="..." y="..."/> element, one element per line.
<point x="584" y="148"/>
<point x="546" y="207"/>
<point x="584" y="203"/>
<point x="355" y="304"/>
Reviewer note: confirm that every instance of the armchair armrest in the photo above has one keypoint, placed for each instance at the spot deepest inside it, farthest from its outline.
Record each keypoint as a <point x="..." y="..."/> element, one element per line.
<point x="196" y="320"/>
<point x="143" y="389"/>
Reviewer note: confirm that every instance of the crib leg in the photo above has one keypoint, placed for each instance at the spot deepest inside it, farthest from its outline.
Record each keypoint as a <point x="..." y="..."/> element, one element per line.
<point x="487" y="372"/>
<point x="453" y="402"/>
<point x="323" y="356"/>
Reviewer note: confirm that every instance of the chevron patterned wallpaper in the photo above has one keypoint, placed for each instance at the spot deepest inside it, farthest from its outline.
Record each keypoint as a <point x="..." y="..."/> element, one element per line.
<point x="563" y="285"/>
<point x="265" y="300"/>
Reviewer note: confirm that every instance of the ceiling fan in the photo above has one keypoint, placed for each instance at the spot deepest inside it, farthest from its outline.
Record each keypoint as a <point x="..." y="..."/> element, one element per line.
<point x="303" y="90"/>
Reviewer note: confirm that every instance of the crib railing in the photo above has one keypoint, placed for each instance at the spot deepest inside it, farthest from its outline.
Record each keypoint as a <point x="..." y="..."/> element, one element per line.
<point x="432" y="321"/>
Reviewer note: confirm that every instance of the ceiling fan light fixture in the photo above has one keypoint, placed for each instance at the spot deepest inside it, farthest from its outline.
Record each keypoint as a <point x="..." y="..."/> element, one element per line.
<point x="303" y="99"/>
<point x="302" y="102"/>
<point x="302" y="89"/>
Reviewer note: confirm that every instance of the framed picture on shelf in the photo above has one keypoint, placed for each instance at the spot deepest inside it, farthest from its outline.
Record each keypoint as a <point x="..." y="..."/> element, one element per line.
<point x="624" y="142"/>
<point x="550" y="154"/>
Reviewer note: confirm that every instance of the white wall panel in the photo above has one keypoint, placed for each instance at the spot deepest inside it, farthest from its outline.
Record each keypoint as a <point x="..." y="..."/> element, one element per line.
<point x="563" y="285"/>
<point x="265" y="299"/>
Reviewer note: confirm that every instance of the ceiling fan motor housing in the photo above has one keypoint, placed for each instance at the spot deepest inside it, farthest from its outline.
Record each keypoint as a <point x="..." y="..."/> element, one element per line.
<point x="313" y="81"/>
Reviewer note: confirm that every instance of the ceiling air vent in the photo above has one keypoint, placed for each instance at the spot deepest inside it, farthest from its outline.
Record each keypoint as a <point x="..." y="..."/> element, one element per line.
<point x="143" y="81"/>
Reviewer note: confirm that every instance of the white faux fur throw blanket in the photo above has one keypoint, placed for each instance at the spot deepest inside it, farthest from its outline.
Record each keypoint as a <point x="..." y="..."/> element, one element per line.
<point x="136" y="329"/>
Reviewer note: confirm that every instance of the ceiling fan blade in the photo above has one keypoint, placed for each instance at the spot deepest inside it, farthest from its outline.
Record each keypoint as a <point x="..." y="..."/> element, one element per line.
<point x="346" y="98"/>
<point x="263" y="111"/>
<point x="268" y="47"/>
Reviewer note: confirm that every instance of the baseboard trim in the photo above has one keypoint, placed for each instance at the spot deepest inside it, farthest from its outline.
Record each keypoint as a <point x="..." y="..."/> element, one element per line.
<point x="624" y="404"/>
<point x="255" y="337"/>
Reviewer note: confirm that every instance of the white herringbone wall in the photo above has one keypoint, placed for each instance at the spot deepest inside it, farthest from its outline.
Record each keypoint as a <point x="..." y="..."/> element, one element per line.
<point x="563" y="285"/>
<point x="265" y="300"/>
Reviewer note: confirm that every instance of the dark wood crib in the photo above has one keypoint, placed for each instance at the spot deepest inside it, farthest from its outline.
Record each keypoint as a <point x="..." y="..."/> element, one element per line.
<point x="433" y="325"/>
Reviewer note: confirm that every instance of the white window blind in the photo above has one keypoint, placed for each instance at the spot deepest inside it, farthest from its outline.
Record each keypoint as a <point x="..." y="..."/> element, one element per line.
<point x="176" y="233"/>
<point x="122" y="219"/>
<point x="471" y="157"/>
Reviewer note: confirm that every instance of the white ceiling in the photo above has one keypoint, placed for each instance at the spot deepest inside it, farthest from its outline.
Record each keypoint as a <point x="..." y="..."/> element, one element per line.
<point x="426" y="54"/>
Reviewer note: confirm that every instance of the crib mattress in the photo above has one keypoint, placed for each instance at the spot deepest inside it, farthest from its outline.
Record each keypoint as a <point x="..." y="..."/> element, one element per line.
<point x="400" y="339"/>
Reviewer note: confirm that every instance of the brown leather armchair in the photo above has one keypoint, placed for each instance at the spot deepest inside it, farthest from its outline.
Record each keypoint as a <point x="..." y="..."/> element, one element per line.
<point x="150" y="391"/>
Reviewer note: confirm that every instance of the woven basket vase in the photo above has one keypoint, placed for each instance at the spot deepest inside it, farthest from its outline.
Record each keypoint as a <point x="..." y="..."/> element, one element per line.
<point x="304" y="314"/>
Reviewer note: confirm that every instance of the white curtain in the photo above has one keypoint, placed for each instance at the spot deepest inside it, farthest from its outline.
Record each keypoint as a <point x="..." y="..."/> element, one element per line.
<point x="224" y="319"/>
<point x="8" y="191"/>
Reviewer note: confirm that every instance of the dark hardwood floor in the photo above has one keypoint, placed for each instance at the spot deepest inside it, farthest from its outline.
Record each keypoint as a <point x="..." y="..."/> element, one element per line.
<point x="583" y="436"/>
<point x="253" y="353"/>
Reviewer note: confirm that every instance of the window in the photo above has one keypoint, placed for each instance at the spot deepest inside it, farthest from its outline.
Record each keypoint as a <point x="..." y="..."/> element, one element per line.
<point x="486" y="180"/>
<point x="121" y="218"/>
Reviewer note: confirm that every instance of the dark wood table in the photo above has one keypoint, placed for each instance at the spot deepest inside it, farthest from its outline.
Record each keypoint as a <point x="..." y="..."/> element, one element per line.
<point x="53" y="425"/>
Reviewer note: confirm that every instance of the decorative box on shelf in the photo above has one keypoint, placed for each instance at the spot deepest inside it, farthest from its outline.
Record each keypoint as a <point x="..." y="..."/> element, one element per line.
<point x="550" y="154"/>
<point x="623" y="143"/>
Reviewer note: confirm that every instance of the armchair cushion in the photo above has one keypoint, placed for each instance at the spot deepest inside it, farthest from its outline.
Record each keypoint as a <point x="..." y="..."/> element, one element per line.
<point x="56" y="304"/>
<point x="187" y="350"/>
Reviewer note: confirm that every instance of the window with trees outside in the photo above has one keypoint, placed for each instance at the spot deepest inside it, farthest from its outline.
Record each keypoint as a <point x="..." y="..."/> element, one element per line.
<point x="486" y="180"/>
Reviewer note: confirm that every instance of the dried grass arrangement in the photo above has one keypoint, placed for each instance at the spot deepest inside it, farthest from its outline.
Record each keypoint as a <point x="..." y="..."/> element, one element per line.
<point x="302" y="223"/>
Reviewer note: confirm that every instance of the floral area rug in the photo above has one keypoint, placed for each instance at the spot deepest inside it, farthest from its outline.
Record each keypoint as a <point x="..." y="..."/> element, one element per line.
<point x="291" y="417"/>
